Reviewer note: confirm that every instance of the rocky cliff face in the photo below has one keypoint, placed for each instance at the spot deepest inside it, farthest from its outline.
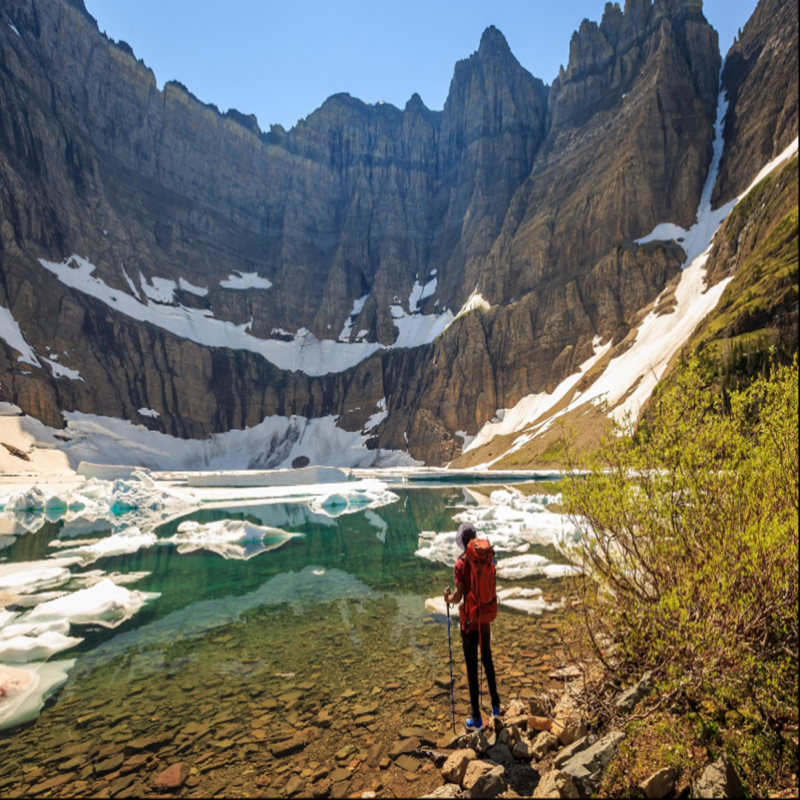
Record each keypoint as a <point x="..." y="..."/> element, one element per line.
<point x="760" y="78"/>
<point x="530" y="195"/>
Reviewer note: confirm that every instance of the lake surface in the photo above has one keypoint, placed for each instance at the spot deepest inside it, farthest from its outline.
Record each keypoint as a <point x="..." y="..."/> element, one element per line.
<point x="291" y="671"/>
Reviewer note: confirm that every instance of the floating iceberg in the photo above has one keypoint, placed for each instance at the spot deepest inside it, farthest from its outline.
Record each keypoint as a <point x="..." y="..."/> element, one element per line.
<point x="24" y="689"/>
<point x="232" y="539"/>
<point x="35" y="648"/>
<point x="27" y="577"/>
<point x="350" y="502"/>
<point x="128" y="541"/>
<point x="104" y="604"/>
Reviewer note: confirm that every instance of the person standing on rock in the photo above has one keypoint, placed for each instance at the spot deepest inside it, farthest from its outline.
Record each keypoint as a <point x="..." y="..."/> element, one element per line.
<point x="474" y="575"/>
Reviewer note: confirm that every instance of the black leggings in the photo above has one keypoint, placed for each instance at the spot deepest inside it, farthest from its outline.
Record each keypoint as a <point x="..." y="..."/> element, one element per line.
<point x="470" y="643"/>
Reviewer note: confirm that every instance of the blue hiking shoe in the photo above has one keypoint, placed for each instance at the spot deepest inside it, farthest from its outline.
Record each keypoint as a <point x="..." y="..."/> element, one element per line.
<point x="496" y="711"/>
<point x="473" y="724"/>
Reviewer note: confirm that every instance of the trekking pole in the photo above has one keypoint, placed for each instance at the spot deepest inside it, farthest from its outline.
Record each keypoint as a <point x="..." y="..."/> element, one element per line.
<point x="450" y="650"/>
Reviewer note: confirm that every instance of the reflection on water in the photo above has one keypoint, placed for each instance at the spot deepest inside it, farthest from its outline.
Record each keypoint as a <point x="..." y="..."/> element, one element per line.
<point x="254" y="674"/>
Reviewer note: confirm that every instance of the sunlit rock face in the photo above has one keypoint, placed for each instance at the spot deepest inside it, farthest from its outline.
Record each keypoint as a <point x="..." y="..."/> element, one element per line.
<point x="530" y="195"/>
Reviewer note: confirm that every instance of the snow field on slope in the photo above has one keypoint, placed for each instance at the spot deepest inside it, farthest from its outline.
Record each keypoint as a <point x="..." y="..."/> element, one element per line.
<point x="658" y="337"/>
<point x="272" y="444"/>
<point x="305" y="353"/>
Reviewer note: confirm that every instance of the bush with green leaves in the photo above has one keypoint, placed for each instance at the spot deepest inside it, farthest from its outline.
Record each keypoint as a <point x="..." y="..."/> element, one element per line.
<point x="689" y="547"/>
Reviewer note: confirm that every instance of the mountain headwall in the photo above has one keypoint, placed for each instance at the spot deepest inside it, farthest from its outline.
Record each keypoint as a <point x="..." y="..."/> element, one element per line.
<point x="362" y="224"/>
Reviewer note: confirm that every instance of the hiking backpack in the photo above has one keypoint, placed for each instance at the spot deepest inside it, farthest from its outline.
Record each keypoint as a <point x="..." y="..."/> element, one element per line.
<point x="480" y="604"/>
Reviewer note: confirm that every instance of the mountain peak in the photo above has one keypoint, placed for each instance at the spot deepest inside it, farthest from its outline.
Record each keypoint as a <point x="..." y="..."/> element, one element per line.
<point x="493" y="39"/>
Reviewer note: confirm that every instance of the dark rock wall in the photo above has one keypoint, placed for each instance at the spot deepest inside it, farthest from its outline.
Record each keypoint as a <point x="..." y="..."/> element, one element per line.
<point x="760" y="77"/>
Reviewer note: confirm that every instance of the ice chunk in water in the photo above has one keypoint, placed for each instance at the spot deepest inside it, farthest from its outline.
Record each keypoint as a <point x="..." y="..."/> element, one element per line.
<point x="126" y="542"/>
<point x="26" y="577"/>
<point x="230" y="538"/>
<point x="26" y="628"/>
<point x="35" y="648"/>
<point x="24" y="689"/>
<point x="104" y="604"/>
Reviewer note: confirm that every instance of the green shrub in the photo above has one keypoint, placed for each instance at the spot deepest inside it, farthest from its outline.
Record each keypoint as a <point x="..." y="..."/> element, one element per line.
<point x="689" y="544"/>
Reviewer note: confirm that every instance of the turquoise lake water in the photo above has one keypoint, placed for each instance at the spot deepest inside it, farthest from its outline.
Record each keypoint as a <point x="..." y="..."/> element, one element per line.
<point x="319" y="645"/>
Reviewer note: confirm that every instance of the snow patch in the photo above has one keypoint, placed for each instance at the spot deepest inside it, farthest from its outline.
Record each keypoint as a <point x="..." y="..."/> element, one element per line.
<point x="11" y="333"/>
<point x="378" y="417"/>
<point x="149" y="412"/>
<point x="161" y="290"/>
<point x="358" y="306"/>
<point x="60" y="371"/>
<point x="475" y="300"/>
<point x="185" y="286"/>
<point x="272" y="444"/>
<point x="13" y="28"/>
<point x="240" y="281"/>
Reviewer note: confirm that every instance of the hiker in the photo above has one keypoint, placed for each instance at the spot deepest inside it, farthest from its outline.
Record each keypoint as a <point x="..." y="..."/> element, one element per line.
<point x="477" y="611"/>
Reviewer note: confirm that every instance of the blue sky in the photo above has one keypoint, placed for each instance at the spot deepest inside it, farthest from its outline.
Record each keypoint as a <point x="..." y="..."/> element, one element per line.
<point x="281" y="60"/>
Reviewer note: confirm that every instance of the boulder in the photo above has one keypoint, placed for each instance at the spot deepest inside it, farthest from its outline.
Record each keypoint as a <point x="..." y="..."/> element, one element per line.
<point x="456" y="765"/>
<point x="627" y="700"/>
<point x="539" y="723"/>
<point x="567" y="724"/>
<point x="474" y="771"/>
<point x="556" y="784"/>
<point x="490" y="784"/>
<point x="659" y="784"/>
<point x="500" y="753"/>
<point x="570" y="750"/>
<point x="587" y="767"/>
<point x="718" y="780"/>
<point x="522" y="750"/>
<point x="543" y="744"/>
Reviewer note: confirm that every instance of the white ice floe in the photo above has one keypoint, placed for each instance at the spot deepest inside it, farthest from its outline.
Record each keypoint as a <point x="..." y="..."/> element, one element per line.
<point x="528" y="600"/>
<point x="185" y="286"/>
<point x="351" y="500"/>
<point x="131" y="540"/>
<point x="149" y="412"/>
<point x="142" y="503"/>
<point x="231" y="539"/>
<point x="27" y="628"/>
<point x="104" y="604"/>
<point x="29" y="577"/>
<point x="11" y="334"/>
<point x="35" y="648"/>
<point x="245" y="280"/>
<point x="512" y="523"/>
<point x="25" y="688"/>
<point x="358" y="306"/>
